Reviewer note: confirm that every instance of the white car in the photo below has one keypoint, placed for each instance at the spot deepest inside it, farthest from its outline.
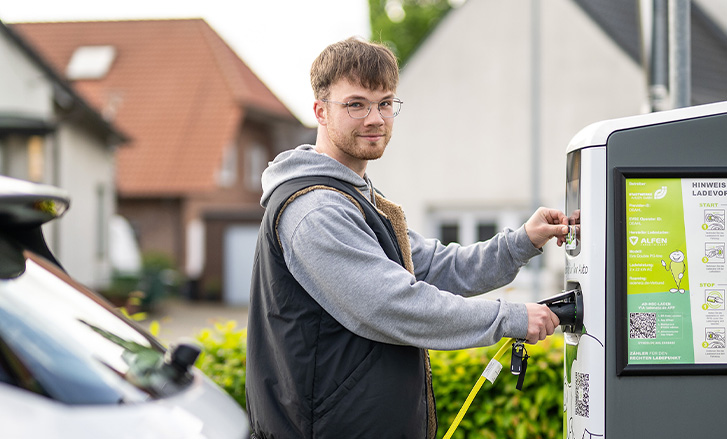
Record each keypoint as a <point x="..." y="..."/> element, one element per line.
<point x="71" y="366"/>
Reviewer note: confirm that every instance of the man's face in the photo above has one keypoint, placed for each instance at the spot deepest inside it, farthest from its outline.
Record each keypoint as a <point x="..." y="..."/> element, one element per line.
<point x="354" y="142"/>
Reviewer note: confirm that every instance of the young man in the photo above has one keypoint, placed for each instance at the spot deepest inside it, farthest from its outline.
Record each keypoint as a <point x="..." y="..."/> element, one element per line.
<point x="345" y="299"/>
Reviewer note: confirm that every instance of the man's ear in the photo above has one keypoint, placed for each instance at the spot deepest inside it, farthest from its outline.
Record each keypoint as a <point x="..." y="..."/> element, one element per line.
<point x="319" y="109"/>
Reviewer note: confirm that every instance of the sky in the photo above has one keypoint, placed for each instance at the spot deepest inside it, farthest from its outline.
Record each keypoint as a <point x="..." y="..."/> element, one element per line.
<point x="277" y="39"/>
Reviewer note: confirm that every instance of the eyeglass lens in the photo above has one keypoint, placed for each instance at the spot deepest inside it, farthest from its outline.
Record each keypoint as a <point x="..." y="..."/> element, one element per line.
<point x="360" y="108"/>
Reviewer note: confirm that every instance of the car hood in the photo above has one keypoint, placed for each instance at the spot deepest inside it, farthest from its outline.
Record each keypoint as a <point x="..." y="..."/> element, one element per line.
<point x="202" y="411"/>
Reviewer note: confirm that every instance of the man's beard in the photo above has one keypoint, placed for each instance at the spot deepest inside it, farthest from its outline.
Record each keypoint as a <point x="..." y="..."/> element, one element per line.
<point x="359" y="148"/>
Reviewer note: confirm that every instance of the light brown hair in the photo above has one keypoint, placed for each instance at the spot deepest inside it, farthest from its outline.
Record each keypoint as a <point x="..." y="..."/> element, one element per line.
<point x="371" y="65"/>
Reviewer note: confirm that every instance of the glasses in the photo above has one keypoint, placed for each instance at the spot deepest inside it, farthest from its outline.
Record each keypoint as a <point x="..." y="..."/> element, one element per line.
<point x="360" y="108"/>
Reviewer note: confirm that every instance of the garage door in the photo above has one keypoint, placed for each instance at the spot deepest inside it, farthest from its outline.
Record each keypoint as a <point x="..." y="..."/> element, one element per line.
<point x="239" y="253"/>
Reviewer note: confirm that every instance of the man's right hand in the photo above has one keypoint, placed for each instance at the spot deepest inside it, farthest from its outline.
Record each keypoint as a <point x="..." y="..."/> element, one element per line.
<point x="541" y="322"/>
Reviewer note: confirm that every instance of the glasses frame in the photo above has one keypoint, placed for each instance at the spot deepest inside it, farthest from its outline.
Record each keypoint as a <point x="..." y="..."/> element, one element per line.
<point x="368" y="111"/>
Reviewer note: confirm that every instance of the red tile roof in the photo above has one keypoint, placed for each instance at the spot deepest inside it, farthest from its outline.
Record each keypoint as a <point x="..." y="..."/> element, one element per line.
<point x="175" y="87"/>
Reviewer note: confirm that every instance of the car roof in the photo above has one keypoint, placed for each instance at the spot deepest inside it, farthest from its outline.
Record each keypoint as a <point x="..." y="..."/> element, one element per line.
<point x="24" y="203"/>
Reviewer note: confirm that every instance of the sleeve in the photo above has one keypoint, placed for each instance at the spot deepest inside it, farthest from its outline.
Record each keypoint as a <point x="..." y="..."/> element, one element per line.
<point x="335" y="256"/>
<point x="473" y="269"/>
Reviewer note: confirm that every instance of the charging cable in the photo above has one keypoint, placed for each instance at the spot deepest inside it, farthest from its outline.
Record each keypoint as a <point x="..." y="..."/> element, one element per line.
<point x="568" y="306"/>
<point x="490" y="374"/>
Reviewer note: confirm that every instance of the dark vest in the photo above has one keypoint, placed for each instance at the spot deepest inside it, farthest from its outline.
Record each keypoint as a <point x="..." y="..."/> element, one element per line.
<point x="307" y="375"/>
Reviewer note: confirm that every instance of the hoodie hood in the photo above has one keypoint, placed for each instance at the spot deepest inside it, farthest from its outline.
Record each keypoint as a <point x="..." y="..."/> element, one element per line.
<point x="304" y="161"/>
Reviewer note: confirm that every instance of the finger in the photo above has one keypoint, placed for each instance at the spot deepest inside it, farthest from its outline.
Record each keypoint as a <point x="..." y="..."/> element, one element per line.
<point x="559" y="230"/>
<point x="554" y="318"/>
<point x="557" y="217"/>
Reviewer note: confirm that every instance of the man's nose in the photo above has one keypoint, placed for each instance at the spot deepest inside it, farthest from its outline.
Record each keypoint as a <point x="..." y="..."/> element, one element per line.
<point x="374" y="117"/>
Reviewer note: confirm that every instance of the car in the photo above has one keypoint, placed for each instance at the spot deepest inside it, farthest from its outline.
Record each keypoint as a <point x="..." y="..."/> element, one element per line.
<point x="72" y="365"/>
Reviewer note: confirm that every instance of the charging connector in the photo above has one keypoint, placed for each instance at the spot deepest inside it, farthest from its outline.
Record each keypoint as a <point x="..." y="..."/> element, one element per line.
<point x="568" y="306"/>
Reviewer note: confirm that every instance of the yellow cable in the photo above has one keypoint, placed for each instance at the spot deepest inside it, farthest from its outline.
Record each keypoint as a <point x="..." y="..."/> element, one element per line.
<point x="474" y="391"/>
<point x="503" y="348"/>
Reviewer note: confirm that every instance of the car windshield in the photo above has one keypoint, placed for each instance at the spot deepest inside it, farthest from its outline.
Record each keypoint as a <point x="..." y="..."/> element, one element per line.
<point x="60" y="340"/>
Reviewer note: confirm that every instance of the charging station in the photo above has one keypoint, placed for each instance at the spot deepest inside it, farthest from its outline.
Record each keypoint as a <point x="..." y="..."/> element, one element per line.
<point x="646" y="198"/>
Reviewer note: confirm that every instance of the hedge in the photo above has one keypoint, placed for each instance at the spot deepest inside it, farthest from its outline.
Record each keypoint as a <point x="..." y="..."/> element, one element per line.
<point x="224" y="358"/>
<point x="498" y="411"/>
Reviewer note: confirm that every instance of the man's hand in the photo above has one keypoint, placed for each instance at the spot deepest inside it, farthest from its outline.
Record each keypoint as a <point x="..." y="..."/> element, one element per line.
<point x="545" y="224"/>
<point x="541" y="322"/>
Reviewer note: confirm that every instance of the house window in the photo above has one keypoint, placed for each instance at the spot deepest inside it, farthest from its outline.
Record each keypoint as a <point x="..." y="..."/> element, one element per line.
<point x="449" y="233"/>
<point x="486" y="231"/>
<point x="90" y="62"/>
<point x="469" y="226"/>
<point x="227" y="174"/>
<point x="36" y="162"/>
<point x="23" y="157"/>
<point x="257" y="160"/>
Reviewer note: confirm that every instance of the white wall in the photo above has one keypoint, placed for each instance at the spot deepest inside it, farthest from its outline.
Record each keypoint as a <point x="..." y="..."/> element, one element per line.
<point x="83" y="162"/>
<point x="87" y="168"/>
<point x="463" y="138"/>
<point x="25" y="92"/>
<point x="23" y="88"/>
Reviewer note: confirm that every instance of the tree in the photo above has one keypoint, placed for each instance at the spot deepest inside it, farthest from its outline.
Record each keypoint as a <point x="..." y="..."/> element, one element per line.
<point x="404" y="24"/>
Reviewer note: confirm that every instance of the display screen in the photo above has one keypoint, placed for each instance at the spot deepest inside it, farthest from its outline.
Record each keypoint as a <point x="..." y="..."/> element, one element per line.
<point x="573" y="202"/>
<point x="673" y="243"/>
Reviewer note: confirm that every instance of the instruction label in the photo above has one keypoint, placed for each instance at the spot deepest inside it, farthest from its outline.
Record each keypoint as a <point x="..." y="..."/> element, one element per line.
<point x="676" y="277"/>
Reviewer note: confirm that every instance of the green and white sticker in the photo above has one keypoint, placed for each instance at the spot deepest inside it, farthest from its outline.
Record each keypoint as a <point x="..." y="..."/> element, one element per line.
<point x="676" y="276"/>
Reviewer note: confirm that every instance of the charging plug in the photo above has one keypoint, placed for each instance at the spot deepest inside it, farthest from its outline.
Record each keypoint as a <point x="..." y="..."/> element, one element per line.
<point x="568" y="306"/>
<point x="566" y="312"/>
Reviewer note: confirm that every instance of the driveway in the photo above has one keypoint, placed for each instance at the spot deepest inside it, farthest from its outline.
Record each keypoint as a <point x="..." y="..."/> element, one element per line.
<point x="180" y="318"/>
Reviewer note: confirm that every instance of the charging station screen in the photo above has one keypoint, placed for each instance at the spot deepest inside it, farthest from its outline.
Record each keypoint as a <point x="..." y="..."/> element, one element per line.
<point x="676" y="280"/>
<point x="573" y="202"/>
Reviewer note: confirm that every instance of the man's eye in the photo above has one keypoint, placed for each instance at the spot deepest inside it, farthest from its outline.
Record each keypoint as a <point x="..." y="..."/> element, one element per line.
<point x="386" y="104"/>
<point x="356" y="105"/>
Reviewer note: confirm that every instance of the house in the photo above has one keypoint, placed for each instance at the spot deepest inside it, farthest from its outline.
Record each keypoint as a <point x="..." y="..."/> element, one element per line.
<point x="202" y="126"/>
<point x="49" y="133"/>
<point x="512" y="96"/>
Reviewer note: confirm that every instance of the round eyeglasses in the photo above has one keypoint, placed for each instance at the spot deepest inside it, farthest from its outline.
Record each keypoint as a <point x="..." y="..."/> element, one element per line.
<point x="360" y="108"/>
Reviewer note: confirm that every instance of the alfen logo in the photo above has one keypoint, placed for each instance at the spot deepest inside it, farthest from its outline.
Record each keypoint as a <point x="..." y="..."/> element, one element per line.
<point x="633" y="240"/>
<point x="660" y="193"/>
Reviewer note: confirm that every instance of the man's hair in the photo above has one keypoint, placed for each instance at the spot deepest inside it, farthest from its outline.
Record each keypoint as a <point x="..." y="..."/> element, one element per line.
<point x="371" y="65"/>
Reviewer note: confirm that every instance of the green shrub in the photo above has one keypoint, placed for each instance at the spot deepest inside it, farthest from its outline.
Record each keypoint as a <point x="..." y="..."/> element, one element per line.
<point x="158" y="278"/>
<point x="224" y="358"/>
<point x="498" y="411"/>
<point x="121" y="285"/>
<point x="156" y="261"/>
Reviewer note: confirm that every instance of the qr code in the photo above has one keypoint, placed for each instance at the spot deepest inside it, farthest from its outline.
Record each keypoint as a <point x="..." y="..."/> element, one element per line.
<point x="581" y="406"/>
<point x="643" y="325"/>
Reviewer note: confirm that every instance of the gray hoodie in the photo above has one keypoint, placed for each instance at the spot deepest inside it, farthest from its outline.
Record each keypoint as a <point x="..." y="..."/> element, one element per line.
<point x="334" y="255"/>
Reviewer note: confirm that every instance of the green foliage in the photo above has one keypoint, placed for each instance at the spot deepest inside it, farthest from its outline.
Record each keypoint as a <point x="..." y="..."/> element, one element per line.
<point x="121" y="285"/>
<point x="158" y="279"/>
<point x="156" y="261"/>
<point x="224" y="358"/>
<point x="500" y="410"/>
<point x="403" y="37"/>
<point x="143" y="290"/>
